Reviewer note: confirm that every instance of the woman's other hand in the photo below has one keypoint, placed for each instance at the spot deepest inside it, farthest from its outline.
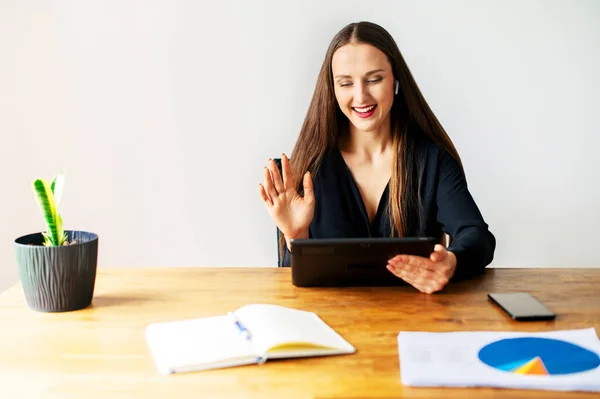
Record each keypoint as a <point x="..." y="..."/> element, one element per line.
<point x="428" y="275"/>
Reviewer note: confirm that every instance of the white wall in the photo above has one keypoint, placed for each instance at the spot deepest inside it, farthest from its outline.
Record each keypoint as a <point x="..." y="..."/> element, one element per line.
<point x="163" y="113"/>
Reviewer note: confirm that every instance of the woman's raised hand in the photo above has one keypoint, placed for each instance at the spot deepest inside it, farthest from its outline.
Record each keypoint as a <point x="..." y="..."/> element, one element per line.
<point x="291" y="213"/>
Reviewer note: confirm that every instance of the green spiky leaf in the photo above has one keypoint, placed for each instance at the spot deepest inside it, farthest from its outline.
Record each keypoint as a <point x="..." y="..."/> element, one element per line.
<point x="54" y="235"/>
<point x="62" y="236"/>
<point x="47" y="239"/>
<point x="57" y="186"/>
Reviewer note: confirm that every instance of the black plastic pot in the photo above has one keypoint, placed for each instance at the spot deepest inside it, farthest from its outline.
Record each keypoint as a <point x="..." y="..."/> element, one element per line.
<point x="58" y="279"/>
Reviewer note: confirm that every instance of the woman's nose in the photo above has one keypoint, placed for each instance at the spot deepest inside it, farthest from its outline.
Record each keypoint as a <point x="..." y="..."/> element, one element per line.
<point x="360" y="93"/>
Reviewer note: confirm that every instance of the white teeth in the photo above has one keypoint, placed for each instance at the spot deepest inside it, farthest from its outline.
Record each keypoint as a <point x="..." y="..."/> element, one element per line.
<point x="366" y="109"/>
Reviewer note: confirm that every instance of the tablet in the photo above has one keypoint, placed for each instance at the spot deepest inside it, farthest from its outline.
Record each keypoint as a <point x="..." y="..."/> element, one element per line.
<point x="322" y="262"/>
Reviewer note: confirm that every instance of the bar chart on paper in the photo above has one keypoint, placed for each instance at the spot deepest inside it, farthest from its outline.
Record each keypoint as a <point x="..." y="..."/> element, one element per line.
<point x="538" y="356"/>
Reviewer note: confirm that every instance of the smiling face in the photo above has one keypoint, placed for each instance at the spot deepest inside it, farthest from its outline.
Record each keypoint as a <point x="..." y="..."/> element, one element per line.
<point x="364" y="85"/>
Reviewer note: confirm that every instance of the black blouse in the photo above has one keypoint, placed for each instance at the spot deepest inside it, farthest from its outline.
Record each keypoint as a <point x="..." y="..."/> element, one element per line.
<point x="447" y="206"/>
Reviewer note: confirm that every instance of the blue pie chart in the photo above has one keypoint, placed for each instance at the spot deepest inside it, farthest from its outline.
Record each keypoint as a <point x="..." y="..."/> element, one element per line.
<point x="538" y="356"/>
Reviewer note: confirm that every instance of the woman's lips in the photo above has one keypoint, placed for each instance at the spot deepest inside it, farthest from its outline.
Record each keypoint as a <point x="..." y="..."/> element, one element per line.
<point x="364" y="112"/>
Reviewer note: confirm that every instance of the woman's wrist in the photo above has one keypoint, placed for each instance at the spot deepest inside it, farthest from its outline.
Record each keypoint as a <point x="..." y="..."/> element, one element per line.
<point x="296" y="236"/>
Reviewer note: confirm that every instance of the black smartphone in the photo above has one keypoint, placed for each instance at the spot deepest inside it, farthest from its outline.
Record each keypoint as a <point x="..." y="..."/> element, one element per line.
<point x="522" y="306"/>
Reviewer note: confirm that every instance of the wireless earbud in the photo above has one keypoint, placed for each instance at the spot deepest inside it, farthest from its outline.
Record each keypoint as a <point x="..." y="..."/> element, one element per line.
<point x="396" y="88"/>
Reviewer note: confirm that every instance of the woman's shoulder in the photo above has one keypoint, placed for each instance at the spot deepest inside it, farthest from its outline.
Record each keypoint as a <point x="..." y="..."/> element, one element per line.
<point x="433" y="157"/>
<point x="427" y="148"/>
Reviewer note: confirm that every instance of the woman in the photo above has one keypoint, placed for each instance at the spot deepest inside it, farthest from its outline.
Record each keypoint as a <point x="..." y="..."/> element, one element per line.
<point x="372" y="160"/>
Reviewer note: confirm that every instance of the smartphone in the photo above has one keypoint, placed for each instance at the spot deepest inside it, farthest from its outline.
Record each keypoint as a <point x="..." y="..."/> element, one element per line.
<point x="522" y="306"/>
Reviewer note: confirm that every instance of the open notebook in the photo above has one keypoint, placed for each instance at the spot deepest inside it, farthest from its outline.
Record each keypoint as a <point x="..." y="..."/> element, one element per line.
<point x="251" y="334"/>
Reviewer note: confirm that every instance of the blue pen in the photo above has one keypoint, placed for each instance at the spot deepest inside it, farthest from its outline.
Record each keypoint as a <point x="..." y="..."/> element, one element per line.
<point x="247" y="335"/>
<point x="241" y="327"/>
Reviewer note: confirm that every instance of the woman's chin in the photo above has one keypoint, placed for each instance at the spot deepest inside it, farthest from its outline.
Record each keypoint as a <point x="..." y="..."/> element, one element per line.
<point x="366" y="126"/>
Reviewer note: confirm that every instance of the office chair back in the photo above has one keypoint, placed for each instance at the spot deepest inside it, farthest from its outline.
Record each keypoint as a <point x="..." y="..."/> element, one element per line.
<point x="278" y="235"/>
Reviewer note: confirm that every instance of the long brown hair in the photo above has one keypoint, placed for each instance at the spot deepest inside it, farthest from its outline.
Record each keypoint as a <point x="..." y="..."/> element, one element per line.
<point x="410" y="115"/>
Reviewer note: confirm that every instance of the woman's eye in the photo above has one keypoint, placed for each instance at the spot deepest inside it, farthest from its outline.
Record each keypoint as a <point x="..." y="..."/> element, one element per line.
<point x="345" y="84"/>
<point x="374" y="80"/>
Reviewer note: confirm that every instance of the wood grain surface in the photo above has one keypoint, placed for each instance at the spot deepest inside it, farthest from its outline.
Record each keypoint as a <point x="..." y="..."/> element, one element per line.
<point x="101" y="352"/>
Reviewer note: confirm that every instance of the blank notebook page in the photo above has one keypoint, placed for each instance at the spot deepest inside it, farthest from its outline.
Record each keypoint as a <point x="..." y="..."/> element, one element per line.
<point x="198" y="341"/>
<point x="273" y="325"/>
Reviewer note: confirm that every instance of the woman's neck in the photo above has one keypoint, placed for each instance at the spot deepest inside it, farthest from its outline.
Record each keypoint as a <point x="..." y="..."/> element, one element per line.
<point x="367" y="144"/>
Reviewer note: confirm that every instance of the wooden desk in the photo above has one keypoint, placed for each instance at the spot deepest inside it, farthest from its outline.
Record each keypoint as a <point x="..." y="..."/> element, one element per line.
<point x="101" y="352"/>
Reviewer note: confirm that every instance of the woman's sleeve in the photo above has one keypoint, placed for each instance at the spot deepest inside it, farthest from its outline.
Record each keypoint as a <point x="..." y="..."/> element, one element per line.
<point x="471" y="241"/>
<point x="287" y="256"/>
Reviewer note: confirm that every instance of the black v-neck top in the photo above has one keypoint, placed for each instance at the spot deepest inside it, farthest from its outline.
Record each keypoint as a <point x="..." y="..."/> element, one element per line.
<point x="447" y="206"/>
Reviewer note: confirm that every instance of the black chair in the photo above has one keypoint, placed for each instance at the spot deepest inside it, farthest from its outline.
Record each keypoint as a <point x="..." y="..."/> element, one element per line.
<point x="279" y="257"/>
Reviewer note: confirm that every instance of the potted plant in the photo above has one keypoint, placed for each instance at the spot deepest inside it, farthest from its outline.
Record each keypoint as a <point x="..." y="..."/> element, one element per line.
<point x="57" y="268"/>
